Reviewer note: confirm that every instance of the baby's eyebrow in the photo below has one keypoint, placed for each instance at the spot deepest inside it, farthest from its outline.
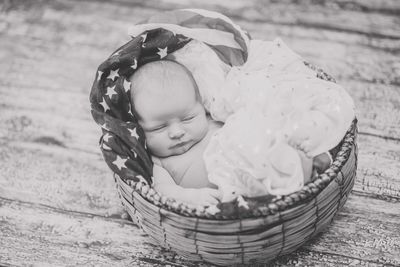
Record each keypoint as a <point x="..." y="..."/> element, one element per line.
<point x="190" y="112"/>
<point x="155" y="125"/>
<point x="189" y="115"/>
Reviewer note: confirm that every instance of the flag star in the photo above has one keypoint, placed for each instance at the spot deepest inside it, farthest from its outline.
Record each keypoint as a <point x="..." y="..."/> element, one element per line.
<point x="213" y="209"/>
<point x="105" y="147"/>
<point x="113" y="74"/>
<point x="130" y="111"/>
<point x="104" y="105"/>
<point x="119" y="162"/>
<point x="141" y="179"/>
<point x="134" y="133"/>
<point x="144" y="36"/>
<point x="129" y="107"/>
<point x="111" y="91"/>
<point x="134" y="65"/>
<point x="162" y="52"/>
<point x="106" y="137"/>
<point x="242" y="202"/>
<point x="99" y="74"/>
<point x="127" y="85"/>
<point x="104" y="126"/>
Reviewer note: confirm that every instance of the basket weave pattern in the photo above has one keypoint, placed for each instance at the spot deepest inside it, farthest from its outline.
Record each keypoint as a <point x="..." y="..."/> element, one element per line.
<point x="255" y="236"/>
<point x="258" y="233"/>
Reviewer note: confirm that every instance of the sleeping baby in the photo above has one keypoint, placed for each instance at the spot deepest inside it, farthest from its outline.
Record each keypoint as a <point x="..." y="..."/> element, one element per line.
<point x="178" y="131"/>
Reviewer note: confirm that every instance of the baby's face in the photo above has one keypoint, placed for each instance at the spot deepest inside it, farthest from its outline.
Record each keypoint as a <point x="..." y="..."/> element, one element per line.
<point x="173" y="119"/>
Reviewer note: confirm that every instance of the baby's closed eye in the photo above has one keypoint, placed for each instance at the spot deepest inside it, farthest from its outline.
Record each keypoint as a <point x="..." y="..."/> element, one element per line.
<point x="156" y="128"/>
<point x="189" y="118"/>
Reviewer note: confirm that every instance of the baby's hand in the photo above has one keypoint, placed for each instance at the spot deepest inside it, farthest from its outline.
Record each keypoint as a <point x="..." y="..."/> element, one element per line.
<point x="205" y="196"/>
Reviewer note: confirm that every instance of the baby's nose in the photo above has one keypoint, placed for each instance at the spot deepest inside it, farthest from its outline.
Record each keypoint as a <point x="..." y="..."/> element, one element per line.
<point x="176" y="131"/>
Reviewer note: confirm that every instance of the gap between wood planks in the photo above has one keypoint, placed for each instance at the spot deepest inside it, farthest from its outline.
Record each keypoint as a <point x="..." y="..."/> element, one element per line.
<point x="310" y="253"/>
<point x="368" y="183"/>
<point x="96" y="153"/>
<point x="363" y="133"/>
<point x="355" y="5"/>
<point x="379" y="136"/>
<point x="373" y="182"/>
<point x="237" y="13"/>
<point x="356" y="260"/>
<point x="114" y="217"/>
<point x="388" y="198"/>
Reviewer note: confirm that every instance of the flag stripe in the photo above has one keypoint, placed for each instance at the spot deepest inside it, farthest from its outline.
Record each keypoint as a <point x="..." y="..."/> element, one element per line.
<point x="198" y="20"/>
<point x="209" y="36"/>
<point x="216" y="15"/>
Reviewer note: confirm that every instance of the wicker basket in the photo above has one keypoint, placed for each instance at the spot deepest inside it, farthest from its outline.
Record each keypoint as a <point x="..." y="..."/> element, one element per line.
<point x="246" y="230"/>
<point x="268" y="229"/>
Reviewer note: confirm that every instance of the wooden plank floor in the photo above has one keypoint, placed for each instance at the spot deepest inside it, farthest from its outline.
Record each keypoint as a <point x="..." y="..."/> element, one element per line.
<point x="58" y="202"/>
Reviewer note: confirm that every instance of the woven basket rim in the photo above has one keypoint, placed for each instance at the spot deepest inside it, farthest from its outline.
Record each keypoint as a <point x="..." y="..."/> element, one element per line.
<point x="275" y="205"/>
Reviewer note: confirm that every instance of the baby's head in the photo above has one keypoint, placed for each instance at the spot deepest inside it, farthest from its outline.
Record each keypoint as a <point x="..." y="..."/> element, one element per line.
<point x="167" y="103"/>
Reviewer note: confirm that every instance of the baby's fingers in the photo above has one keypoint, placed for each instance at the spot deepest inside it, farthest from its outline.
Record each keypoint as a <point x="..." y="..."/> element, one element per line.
<point x="214" y="193"/>
<point x="211" y="201"/>
<point x="209" y="196"/>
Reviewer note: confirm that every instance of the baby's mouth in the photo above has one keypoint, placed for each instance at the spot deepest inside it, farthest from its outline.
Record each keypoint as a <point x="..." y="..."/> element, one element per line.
<point x="180" y="144"/>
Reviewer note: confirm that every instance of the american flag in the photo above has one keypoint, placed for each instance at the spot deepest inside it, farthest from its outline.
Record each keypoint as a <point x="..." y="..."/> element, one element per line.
<point x="123" y="143"/>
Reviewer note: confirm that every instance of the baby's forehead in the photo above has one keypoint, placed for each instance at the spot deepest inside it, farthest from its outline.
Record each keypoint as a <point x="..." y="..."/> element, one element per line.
<point x="166" y="68"/>
<point x="160" y="78"/>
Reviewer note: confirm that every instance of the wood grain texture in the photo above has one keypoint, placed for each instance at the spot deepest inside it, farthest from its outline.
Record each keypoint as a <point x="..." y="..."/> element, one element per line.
<point x="59" y="205"/>
<point x="49" y="237"/>
<point x="341" y="54"/>
<point x="358" y="235"/>
<point x="379" y="168"/>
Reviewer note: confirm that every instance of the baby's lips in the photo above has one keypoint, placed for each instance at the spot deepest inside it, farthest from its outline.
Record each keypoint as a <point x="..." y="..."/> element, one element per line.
<point x="179" y="144"/>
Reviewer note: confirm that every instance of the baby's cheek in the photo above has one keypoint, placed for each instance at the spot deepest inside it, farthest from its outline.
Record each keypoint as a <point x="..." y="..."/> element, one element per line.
<point x="151" y="140"/>
<point x="156" y="142"/>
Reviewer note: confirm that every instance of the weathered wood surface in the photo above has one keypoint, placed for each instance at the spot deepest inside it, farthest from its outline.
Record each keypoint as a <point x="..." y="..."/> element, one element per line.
<point x="58" y="203"/>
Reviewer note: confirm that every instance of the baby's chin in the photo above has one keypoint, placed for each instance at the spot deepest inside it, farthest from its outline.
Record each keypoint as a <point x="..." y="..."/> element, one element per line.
<point x="183" y="149"/>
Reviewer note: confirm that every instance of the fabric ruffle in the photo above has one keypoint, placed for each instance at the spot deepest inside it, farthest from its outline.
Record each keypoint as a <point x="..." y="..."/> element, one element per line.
<point x="273" y="107"/>
<point x="249" y="157"/>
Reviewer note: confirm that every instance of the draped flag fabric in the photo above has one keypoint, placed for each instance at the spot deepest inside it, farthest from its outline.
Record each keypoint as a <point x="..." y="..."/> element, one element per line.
<point x="123" y="142"/>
